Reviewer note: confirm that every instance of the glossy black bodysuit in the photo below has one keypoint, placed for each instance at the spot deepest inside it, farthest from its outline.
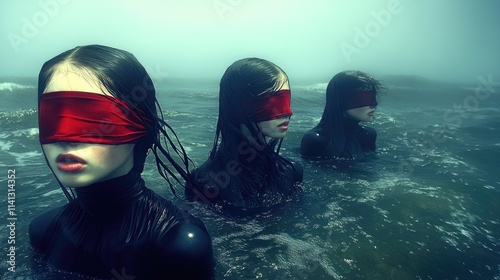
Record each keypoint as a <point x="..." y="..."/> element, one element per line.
<point x="359" y="140"/>
<point x="267" y="180"/>
<point x="119" y="227"/>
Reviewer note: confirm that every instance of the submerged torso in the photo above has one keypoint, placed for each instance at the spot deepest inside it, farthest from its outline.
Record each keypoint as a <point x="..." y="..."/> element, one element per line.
<point x="264" y="182"/>
<point x="359" y="141"/>
<point x="120" y="226"/>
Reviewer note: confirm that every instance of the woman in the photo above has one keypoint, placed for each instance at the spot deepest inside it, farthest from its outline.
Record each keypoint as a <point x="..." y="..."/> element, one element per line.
<point x="351" y="98"/>
<point x="244" y="169"/>
<point x="98" y="120"/>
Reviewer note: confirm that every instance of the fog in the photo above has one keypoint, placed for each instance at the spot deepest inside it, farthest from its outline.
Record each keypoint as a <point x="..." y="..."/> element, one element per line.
<point x="447" y="40"/>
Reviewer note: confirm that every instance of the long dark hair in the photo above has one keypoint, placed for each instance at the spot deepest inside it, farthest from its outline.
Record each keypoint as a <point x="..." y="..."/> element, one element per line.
<point x="340" y="87"/>
<point x="126" y="79"/>
<point x="244" y="81"/>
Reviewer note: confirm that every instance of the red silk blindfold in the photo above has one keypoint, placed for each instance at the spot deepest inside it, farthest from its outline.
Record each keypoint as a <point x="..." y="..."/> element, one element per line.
<point x="274" y="107"/>
<point x="85" y="117"/>
<point x="361" y="99"/>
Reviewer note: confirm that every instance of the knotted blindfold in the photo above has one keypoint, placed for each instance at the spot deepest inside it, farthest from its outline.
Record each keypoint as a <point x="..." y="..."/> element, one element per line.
<point x="86" y="117"/>
<point x="361" y="99"/>
<point x="274" y="107"/>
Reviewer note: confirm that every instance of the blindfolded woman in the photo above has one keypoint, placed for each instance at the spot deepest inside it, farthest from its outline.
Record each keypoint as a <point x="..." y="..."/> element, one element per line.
<point x="98" y="119"/>
<point x="351" y="98"/>
<point x="244" y="169"/>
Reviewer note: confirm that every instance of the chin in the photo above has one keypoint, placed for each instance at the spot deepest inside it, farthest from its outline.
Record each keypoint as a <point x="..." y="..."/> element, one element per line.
<point x="73" y="182"/>
<point x="74" y="185"/>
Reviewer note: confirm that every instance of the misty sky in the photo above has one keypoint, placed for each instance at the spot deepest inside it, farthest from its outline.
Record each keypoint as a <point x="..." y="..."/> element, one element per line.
<point x="453" y="40"/>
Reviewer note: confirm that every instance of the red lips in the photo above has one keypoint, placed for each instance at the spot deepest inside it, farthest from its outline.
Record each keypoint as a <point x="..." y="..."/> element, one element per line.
<point x="69" y="163"/>
<point x="284" y="125"/>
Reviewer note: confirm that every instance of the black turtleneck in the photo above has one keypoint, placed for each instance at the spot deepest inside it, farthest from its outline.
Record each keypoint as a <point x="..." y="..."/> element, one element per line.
<point x="358" y="141"/>
<point x="119" y="227"/>
<point x="262" y="180"/>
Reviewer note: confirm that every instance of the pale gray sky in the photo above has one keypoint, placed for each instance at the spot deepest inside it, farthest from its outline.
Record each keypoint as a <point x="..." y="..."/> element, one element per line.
<point x="443" y="39"/>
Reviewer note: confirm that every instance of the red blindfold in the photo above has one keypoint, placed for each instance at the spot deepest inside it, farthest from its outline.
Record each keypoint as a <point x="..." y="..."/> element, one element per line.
<point x="361" y="99"/>
<point x="274" y="107"/>
<point x="73" y="116"/>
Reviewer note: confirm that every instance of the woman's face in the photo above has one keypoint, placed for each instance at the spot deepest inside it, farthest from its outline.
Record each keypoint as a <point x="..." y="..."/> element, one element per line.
<point x="82" y="164"/>
<point x="276" y="128"/>
<point x="362" y="114"/>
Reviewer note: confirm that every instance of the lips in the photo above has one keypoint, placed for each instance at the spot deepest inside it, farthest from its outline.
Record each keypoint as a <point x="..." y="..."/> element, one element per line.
<point x="70" y="163"/>
<point x="284" y="125"/>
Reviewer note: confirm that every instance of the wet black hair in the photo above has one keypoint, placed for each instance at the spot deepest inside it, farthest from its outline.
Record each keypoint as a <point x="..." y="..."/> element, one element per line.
<point x="122" y="75"/>
<point x="339" y="89"/>
<point x="244" y="80"/>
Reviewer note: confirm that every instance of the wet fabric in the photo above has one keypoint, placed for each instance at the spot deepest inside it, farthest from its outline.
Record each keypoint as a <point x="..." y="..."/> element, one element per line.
<point x="259" y="181"/>
<point x="257" y="109"/>
<point x="74" y="116"/>
<point x="359" y="141"/>
<point x="121" y="227"/>
<point x="361" y="99"/>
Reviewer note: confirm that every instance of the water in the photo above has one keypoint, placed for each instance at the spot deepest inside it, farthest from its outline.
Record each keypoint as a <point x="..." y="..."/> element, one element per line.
<point x="425" y="207"/>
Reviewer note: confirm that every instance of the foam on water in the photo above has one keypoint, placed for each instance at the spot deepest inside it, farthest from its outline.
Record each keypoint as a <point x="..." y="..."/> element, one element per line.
<point x="318" y="87"/>
<point x="53" y="192"/>
<point x="299" y="258"/>
<point x="28" y="132"/>
<point x="366" y="220"/>
<point x="27" y="158"/>
<point x="5" y="145"/>
<point x="9" y="86"/>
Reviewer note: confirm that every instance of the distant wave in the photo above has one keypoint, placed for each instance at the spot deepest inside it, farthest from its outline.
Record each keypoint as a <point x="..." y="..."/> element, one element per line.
<point x="318" y="87"/>
<point x="12" y="86"/>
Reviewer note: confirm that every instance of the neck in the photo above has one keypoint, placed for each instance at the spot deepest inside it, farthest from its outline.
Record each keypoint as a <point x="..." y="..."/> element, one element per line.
<point x="110" y="195"/>
<point x="349" y="121"/>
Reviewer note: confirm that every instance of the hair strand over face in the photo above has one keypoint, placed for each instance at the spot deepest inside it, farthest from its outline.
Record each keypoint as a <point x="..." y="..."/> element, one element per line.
<point x="121" y="74"/>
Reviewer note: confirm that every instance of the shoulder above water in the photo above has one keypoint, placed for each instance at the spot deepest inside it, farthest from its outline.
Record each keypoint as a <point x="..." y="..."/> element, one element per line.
<point x="188" y="249"/>
<point x="313" y="145"/>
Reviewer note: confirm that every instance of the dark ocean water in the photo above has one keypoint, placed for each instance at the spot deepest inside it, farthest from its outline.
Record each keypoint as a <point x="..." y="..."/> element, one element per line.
<point x="426" y="206"/>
